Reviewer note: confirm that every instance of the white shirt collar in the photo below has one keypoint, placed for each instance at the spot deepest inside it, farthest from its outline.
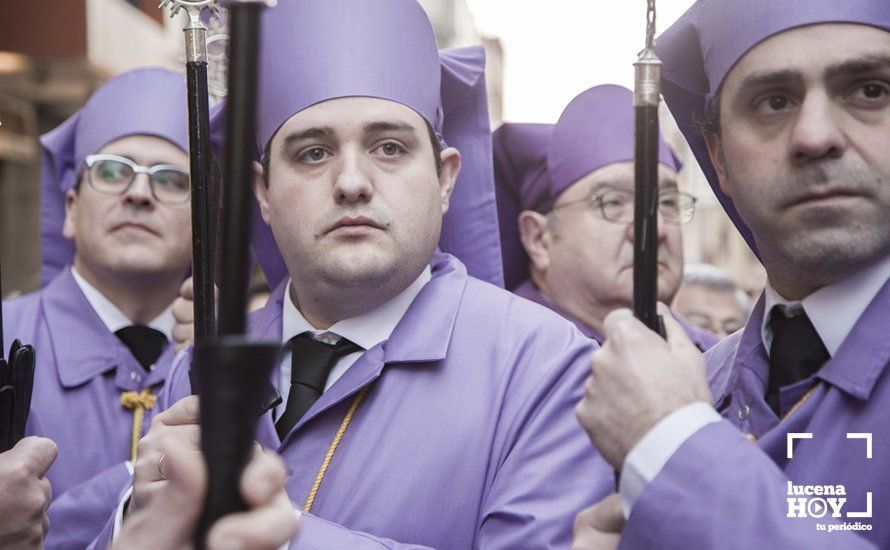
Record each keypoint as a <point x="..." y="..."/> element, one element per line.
<point x="834" y="309"/>
<point x="367" y="330"/>
<point x="115" y="319"/>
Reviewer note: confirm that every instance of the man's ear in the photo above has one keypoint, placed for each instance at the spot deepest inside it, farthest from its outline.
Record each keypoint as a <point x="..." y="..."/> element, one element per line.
<point x="534" y="231"/>
<point x="260" y="191"/>
<point x="715" y="152"/>
<point x="70" y="225"/>
<point x="451" y="163"/>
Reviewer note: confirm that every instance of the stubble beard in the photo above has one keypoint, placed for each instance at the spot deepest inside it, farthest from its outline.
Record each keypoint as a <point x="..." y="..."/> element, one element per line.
<point x="818" y="254"/>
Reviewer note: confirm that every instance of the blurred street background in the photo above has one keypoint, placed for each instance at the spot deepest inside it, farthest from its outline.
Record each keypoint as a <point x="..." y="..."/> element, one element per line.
<point x="55" y="53"/>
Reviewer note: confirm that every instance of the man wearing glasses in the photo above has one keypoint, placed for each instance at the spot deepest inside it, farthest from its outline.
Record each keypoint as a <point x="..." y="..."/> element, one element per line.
<point x="116" y="246"/>
<point x="571" y="188"/>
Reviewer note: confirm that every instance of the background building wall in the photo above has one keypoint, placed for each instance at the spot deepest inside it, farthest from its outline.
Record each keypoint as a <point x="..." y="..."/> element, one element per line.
<point x="55" y="53"/>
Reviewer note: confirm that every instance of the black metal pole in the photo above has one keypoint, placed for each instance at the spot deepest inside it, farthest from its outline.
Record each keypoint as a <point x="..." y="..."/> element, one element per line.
<point x="16" y="386"/>
<point x="244" y="21"/>
<point x="647" y="84"/>
<point x="201" y="165"/>
<point x="645" y="293"/>
<point x="7" y="401"/>
<point x="202" y="197"/>
<point x="232" y="373"/>
<point x="2" y="344"/>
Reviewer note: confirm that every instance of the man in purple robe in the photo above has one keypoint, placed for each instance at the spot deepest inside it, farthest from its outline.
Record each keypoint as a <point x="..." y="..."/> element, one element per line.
<point x="793" y="103"/>
<point x="423" y="406"/>
<point x="116" y="247"/>
<point x="565" y="204"/>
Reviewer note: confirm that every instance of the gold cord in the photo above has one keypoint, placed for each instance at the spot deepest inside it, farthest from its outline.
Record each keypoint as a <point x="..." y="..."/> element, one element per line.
<point x="138" y="403"/>
<point x="800" y="402"/>
<point x="333" y="448"/>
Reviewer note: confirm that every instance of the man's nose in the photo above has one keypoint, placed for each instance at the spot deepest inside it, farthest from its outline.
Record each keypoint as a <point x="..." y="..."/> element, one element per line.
<point x="661" y="234"/>
<point x="139" y="192"/>
<point x="817" y="132"/>
<point x="352" y="182"/>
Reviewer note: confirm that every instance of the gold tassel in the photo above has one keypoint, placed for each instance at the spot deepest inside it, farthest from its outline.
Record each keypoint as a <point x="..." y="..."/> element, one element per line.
<point x="138" y="403"/>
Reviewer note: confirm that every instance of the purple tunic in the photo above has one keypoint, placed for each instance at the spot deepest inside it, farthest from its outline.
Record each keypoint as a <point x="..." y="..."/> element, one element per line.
<point x="81" y="371"/>
<point x="467" y="438"/>
<point x="720" y="487"/>
<point x="702" y="339"/>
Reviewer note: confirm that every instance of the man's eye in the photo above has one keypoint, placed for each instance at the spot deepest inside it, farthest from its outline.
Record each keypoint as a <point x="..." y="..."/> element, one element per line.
<point x="112" y="171"/>
<point x="315" y="154"/>
<point x="871" y="91"/>
<point x="778" y="102"/>
<point x="773" y="103"/>
<point x="670" y="202"/>
<point x="391" y="149"/>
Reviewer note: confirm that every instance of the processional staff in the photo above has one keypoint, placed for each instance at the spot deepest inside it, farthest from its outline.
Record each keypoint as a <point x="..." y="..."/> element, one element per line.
<point x="229" y="372"/>
<point x="647" y="86"/>
<point x="201" y="162"/>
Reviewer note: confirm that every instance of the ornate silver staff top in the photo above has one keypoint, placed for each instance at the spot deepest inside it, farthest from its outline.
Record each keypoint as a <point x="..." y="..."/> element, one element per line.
<point x="648" y="66"/>
<point x="195" y="31"/>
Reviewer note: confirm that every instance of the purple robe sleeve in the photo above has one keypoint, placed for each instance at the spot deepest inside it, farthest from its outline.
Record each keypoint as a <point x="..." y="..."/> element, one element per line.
<point x="104" y="539"/>
<point x="320" y="534"/>
<point x="717" y="488"/>
<point x="548" y="470"/>
<point x="178" y="385"/>
<point x="78" y="514"/>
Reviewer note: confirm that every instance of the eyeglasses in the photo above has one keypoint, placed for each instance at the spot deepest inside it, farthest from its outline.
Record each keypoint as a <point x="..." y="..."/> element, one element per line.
<point x="113" y="175"/>
<point x="617" y="206"/>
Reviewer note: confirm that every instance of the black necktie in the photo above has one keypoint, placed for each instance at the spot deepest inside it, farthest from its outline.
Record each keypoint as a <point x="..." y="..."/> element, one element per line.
<point x="146" y="344"/>
<point x="311" y="363"/>
<point x="796" y="353"/>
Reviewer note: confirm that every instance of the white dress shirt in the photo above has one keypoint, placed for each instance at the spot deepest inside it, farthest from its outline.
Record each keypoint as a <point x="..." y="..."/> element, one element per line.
<point x="833" y="310"/>
<point x="115" y="319"/>
<point x="366" y="330"/>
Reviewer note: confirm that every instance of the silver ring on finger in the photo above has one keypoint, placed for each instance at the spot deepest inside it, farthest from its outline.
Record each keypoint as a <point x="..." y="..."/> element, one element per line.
<point x="161" y="466"/>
